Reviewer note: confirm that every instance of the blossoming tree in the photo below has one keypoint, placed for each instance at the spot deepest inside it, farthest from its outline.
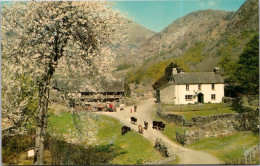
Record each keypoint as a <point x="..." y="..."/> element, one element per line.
<point x="50" y="37"/>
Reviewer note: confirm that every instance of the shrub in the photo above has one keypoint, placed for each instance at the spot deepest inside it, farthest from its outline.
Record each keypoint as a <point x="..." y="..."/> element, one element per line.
<point x="64" y="153"/>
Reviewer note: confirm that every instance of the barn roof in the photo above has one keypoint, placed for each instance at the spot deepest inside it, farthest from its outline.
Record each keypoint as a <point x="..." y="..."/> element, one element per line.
<point x="197" y="78"/>
<point x="80" y="86"/>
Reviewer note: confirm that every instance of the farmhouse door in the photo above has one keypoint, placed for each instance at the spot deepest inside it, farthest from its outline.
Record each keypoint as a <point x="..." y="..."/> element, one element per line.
<point x="200" y="98"/>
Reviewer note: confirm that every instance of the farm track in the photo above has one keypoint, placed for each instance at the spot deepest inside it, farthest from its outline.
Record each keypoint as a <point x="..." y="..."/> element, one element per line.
<point x="144" y="111"/>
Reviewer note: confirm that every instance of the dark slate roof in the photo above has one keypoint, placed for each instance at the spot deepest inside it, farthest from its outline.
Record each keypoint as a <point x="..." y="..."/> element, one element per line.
<point x="197" y="78"/>
<point x="78" y="86"/>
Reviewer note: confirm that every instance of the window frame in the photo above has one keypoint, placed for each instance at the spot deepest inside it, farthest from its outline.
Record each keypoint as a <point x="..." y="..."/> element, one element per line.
<point x="188" y="97"/>
<point x="199" y="86"/>
<point x="213" y="96"/>
<point x="187" y="87"/>
<point x="213" y="86"/>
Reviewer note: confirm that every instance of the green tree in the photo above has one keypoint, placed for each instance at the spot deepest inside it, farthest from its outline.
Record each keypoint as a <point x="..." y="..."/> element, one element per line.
<point x="247" y="72"/>
<point x="127" y="90"/>
<point x="167" y="75"/>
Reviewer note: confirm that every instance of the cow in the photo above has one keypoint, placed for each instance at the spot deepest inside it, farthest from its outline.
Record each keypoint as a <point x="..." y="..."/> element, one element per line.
<point x="162" y="126"/>
<point x="145" y="125"/>
<point x="133" y="120"/>
<point x="158" y="125"/>
<point x="140" y="129"/>
<point x="125" y="129"/>
<point x="155" y="125"/>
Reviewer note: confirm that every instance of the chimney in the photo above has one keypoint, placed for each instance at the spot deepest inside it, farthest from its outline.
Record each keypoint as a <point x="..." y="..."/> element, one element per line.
<point x="216" y="70"/>
<point x="174" y="71"/>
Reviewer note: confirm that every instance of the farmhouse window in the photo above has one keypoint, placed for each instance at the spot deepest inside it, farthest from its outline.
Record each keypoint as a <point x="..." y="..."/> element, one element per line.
<point x="213" y="86"/>
<point x="187" y="87"/>
<point x="188" y="97"/>
<point x="213" y="96"/>
<point x="199" y="87"/>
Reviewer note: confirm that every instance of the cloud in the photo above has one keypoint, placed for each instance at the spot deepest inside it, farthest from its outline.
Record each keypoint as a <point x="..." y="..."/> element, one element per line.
<point x="202" y="4"/>
<point x="212" y="3"/>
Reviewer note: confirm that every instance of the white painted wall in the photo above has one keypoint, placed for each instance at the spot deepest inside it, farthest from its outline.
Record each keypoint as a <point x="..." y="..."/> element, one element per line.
<point x="180" y="92"/>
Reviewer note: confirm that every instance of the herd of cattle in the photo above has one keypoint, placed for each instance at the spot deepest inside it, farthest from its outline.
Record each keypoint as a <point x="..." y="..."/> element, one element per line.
<point x="156" y="125"/>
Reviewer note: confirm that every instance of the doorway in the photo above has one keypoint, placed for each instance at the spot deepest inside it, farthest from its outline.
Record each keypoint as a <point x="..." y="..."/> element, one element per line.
<point x="200" y="98"/>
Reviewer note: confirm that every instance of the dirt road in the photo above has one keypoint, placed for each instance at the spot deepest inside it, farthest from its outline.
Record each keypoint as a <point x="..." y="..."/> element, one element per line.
<point x="144" y="110"/>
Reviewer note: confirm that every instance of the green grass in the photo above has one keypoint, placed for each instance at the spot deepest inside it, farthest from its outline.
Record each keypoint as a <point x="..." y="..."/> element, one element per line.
<point x="227" y="148"/>
<point x="136" y="149"/>
<point x="188" y="111"/>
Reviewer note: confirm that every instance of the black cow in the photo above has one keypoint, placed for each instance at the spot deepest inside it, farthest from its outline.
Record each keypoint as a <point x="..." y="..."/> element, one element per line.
<point x="133" y="120"/>
<point x="124" y="130"/>
<point x="145" y="125"/>
<point x="158" y="125"/>
<point x="162" y="126"/>
<point x="155" y="125"/>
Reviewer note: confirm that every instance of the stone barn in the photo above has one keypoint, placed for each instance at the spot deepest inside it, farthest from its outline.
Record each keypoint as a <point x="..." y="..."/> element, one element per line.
<point x="191" y="88"/>
<point x="112" y="91"/>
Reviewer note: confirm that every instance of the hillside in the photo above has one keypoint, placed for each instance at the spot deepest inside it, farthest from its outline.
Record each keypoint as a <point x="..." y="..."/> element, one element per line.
<point x="136" y="35"/>
<point x="198" y="41"/>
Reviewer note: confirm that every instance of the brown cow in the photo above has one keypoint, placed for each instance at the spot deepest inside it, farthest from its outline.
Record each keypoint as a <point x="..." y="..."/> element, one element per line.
<point x="140" y="129"/>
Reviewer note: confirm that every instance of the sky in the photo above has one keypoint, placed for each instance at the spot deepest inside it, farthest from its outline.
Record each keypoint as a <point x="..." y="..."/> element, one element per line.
<point x="157" y="15"/>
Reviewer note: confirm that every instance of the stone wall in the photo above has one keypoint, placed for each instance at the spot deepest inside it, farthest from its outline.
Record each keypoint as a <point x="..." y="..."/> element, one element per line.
<point x="167" y="94"/>
<point x="227" y="122"/>
<point x="220" y="125"/>
<point x="213" y="126"/>
<point x="177" y="119"/>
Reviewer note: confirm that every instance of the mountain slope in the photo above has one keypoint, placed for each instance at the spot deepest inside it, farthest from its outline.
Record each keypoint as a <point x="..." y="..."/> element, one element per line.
<point x="198" y="41"/>
<point x="136" y="35"/>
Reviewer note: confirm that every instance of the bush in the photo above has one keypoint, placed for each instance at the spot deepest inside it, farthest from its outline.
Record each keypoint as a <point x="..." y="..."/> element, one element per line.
<point x="123" y="67"/>
<point x="64" y="153"/>
<point x="13" y="145"/>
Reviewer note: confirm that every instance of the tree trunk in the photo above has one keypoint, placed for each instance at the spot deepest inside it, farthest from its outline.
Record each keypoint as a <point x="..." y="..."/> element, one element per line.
<point x="41" y="124"/>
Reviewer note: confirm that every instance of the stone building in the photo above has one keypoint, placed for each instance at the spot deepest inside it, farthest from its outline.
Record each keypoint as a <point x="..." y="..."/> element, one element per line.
<point x="112" y="91"/>
<point x="190" y="88"/>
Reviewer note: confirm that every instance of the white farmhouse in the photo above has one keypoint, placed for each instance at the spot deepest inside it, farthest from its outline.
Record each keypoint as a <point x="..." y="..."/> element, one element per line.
<point x="190" y="88"/>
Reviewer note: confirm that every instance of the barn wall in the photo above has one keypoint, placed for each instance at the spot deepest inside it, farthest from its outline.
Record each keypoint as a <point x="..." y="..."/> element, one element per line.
<point x="167" y="95"/>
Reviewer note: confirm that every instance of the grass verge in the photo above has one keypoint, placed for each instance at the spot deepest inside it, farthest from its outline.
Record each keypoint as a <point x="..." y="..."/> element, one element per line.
<point x="188" y="111"/>
<point x="227" y="148"/>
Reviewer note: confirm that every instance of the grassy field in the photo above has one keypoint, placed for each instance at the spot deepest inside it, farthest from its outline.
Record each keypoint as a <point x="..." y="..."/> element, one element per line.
<point x="106" y="130"/>
<point x="227" y="148"/>
<point x="188" y="111"/>
<point x="138" y="149"/>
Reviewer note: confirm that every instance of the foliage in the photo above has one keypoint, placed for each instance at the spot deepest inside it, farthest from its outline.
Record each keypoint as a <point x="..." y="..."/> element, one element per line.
<point x="123" y="66"/>
<point x="227" y="148"/>
<point x="247" y="71"/>
<point x="156" y="71"/>
<point x="64" y="153"/>
<point x="240" y="73"/>
<point x="127" y="90"/>
<point x="13" y="145"/>
<point x="19" y="102"/>
<point x="167" y="75"/>
<point x="68" y="37"/>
